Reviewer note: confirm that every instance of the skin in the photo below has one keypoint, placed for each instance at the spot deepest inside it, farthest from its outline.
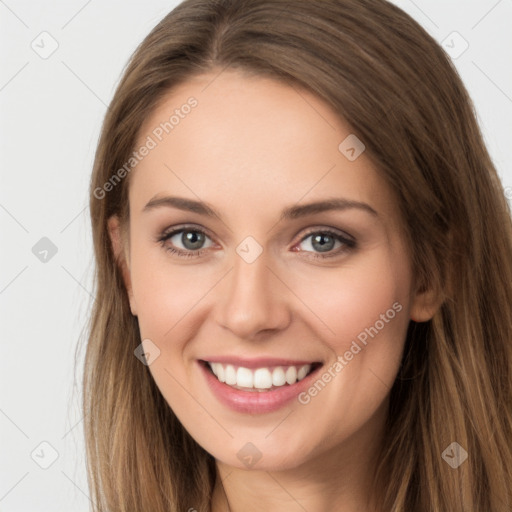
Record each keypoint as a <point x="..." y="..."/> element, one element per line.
<point x="252" y="147"/>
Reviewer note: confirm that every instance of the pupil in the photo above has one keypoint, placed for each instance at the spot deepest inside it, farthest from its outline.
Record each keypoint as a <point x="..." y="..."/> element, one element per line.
<point x="192" y="240"/>
<point x="323" y="246"/>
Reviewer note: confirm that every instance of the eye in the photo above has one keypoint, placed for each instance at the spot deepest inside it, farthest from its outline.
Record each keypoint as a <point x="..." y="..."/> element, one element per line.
<point x="185" y="241"/>
<point x="321" y="243"/>
<point x="190" y="242"/>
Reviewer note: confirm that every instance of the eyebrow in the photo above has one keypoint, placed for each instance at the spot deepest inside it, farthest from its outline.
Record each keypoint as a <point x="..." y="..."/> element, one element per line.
<point x="290" y="213"/>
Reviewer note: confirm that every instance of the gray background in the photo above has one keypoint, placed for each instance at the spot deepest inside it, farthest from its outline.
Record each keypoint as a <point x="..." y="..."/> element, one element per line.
<point x="51" y="108"/>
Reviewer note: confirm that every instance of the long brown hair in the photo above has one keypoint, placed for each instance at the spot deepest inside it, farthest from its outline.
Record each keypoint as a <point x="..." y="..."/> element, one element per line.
<point x="382" y="73"/>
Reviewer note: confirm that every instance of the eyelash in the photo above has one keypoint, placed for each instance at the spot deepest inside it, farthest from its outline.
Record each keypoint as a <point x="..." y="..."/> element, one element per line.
<point x="166" y="235"/>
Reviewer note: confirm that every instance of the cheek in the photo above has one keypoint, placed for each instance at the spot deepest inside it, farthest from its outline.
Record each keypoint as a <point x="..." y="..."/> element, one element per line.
<point x="363" y="309"/>
<point x="354" y="299"/>
<point x="165" y="292"/>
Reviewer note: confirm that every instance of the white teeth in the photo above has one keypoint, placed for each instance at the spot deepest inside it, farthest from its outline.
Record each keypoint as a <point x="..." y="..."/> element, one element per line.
<point x="220" y="373"/>
<point x="230" y="375"/>
<point x="260" y="378"/>
<point x="303" y="371"/>
<point x="244" y="378"/>
<point x="278" y="377"/>
<point x="291" y="375"/>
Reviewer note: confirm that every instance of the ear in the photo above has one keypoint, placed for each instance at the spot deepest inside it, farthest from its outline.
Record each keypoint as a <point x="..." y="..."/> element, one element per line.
<point x="430" y="296"/>
<point x="426" y="302"/>
<point x="121" y="254"/>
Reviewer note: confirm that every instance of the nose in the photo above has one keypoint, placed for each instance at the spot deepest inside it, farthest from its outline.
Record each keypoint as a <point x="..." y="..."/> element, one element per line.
<point x="253" y="299"/>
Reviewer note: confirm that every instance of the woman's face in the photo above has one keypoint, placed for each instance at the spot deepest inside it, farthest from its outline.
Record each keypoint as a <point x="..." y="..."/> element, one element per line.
<point x="261" y="239"/>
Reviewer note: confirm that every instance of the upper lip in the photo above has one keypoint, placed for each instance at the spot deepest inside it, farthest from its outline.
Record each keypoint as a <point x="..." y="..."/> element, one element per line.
<point x="259" y="362"/>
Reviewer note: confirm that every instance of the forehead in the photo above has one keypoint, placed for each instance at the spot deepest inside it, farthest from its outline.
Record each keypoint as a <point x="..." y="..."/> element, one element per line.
<point x="248" y="141"/>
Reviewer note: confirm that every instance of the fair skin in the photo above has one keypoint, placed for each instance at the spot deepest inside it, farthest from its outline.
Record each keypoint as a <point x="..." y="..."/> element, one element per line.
<point x="251" y="148"/>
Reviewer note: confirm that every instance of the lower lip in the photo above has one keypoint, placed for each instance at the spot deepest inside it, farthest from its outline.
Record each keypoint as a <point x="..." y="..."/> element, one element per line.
<point x="255" y="402"/>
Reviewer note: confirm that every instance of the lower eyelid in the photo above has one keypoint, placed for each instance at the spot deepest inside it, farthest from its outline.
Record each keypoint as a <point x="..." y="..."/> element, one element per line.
<point x="185" y="254"/>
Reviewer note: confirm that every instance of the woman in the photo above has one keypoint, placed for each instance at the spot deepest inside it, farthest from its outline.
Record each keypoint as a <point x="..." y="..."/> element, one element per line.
<point x="304" y="268"/>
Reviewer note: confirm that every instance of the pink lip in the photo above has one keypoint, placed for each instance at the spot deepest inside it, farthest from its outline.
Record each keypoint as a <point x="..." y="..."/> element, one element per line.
<point x="260" y="362"/>
<point x="253" y="401"/>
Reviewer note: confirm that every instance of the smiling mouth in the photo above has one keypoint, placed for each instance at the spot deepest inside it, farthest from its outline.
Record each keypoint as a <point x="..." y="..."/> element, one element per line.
<point x="262" y="379"/>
